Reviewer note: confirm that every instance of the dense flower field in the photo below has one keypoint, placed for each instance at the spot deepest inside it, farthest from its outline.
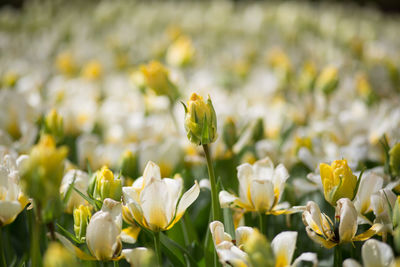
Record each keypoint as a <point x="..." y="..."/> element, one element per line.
<point x="278" y="126"/>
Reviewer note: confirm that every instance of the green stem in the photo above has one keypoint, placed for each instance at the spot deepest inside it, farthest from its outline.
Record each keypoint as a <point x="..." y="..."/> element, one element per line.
<point x="3" y="256"/>
<point x="35" y="228"/>
<point x="214" y="195"/>
<point x="337" y="259"/>
<point x="157" y="247"/>
<point x="261" y="222"/>
<point x="171" y="113"/>
<point x="116" y="264"/>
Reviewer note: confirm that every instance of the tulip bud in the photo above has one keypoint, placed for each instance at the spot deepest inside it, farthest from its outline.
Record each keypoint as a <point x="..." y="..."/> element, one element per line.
<point x="307" y="77"/>
<point x="200" y="120"/>
<point x="53" y="124"/>
<point x="129" y="164"/>
<point x="58" y="256"/>
<point x="229" y="133"/>
<point x="328" y="80"/>
<point x="259" y="250"/>
<point x="338" y="181"/>
<point x="157" y="79"/>
<point x="104" y="230"/>
<point x="394" y="161"/>
<point x="105" y="186"/>
<point x="43" y="170"/>
<point x="82" y="216"/>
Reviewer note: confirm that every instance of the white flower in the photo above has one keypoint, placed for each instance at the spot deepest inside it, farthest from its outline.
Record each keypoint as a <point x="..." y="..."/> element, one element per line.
<point x="157" y="203"/>
<point x="260" y="187"/>
<point x="374" y="254"/>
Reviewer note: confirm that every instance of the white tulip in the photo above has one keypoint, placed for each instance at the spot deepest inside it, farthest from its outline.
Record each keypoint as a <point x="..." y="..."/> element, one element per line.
<point x="12" y="200"/>
<point x="104" y="229"/>
<point x="157" y="203"/>
<point x="81" y="183"/>
<point x="374" y="254"/>
<point x="260" y="187"/>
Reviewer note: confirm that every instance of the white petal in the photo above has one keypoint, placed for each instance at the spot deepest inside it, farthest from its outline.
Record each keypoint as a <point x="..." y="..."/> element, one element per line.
<point x="115" y="210"/>
<point x="135" y="256"/>
<point x="348" y="219"/>
<point x="376" y="253"/>
<point x="242" y="234"/>
<point x="151" y="171"/>
<point x="187" y="199"/>
<point x="370" y="184"/>
<point x="262" y="194"/>
<point x="283" y="246"/>
<point x="9" y="210"/>
<point x="102" y="236"/>
<point x="351" y="263"/>
<point x="280" y="176"/>
<point x="174" y="188"/>
<point x="218" y="234"/>
<point x="307" y="256"/>
<point x="264" y="169"/>
<point x="226" y="199"/>
<point x="245" y="175"/>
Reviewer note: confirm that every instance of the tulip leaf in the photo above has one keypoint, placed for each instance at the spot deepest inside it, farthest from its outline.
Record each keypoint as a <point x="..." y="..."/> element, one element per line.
<point x="228" y="221"/>
<point x="67" y="234"/>
<point x="167" y="242"/>
<point x="69" y="190"/>
<point x="95" y="203"/>
<point x="358" y="184"/>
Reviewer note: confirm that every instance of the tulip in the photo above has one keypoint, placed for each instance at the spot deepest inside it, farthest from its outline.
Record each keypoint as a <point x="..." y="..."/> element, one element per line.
<point x="80" y="180"/>
<point x="328" y="80"/>
<point x="12" y="200"/>
<point x="139" y="257"/>
<point x="260" y="188"/>
<point x="338" y="181"/>
<point x="200" y="120"/>
<point x="382" y="203"/>
<point x="374" y="254"/>
<point x="82" y="216"/>
<point x="157" y="79"/>
<point x="180" y="52"/>
<point x="103" y="231"/>
<point x="54" y="125"/>
<point x="106" y="186"/>
<point x="162" y="212"/>
<point x="57" y="256"/>
<point x="321" y="229"/>
<point x="283" y="246"/>
<point x="226" y="250"/>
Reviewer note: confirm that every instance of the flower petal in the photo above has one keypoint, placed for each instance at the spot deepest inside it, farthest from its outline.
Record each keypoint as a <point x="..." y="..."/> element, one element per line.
<point x="376" y="253"/>
<point x="283" y="246"/>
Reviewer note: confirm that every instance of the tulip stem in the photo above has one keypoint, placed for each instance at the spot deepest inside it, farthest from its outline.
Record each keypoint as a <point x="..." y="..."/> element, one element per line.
<point x="337" y="259"/>
<point x="261" y="222"/>
<point x="157" y="247"/>
<point x="171" y="113"/>
<point x="214" y="195"/>
<point x="3" y="256"/>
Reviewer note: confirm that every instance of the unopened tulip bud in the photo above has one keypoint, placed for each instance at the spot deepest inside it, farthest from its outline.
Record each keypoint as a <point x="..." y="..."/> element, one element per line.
<point x="82" y="216"/>
<point x="129" y="164"/>
<point x="200" y="120"/>
<point x="58" y="256"/>
<point x="157" y="79"/>
<point x="338" y="181"/>
<point x="394" y="161"/>
<point x="106" y="186"/>
<point x="53" y="124"/>
<point x="328" y="80"/>
<point x="259" y="250"/>
<point x="43" y="170"/>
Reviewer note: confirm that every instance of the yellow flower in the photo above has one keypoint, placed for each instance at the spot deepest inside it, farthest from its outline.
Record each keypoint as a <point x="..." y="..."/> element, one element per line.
<point x="338" y="181"/>
<point x="322" y="230"/>
<point x="157" y="203"/>
<point x="328" y="80"/>
<point x="92" y="70"/>
<point x="180" y="52"/>
<point x="54" y="125"/>
<point x="82" y="216"/>
<point x="66" y="64"/>
<point x="57" y="256"/>
<point x="106" y="186"/>
<point x="200" y="120"/>
<point x="157" y="79"/>
<point x="43" y="171"/>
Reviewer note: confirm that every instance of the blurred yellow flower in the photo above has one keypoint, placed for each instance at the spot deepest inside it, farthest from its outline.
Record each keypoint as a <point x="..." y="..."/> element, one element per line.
<point x="93" y="70"/>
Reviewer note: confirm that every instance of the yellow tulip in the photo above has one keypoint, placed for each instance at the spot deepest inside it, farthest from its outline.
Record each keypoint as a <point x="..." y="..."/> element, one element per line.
<point x="338" y="181"/>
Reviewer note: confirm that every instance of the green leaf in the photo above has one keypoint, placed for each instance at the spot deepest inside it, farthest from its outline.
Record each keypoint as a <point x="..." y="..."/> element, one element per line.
<point x="358" y="184"/>
<point x="228" y="221"/>
<point x="95" y="203"/>
<point x="69" y="190"/>
<point x="68" y="235"/>
<point x="167" y="242"/>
